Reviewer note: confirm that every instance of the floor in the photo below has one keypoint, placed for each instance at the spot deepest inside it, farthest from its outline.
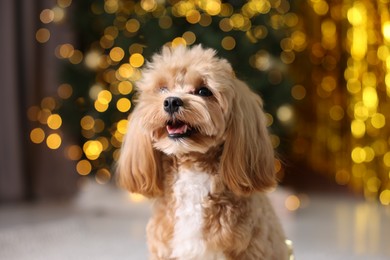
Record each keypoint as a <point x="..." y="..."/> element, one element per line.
<point x="106" y="223"/>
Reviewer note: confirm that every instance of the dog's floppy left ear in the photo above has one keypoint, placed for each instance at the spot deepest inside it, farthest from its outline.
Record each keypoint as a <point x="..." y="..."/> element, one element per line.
<point x="247" y="162"/>
<point x="139" y="165"/>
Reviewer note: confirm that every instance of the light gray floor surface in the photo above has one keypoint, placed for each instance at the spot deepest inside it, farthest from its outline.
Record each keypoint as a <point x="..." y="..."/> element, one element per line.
<point x="103" y="222"/>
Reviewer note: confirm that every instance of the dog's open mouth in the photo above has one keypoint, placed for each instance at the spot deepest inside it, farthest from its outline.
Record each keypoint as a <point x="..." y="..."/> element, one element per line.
<point x="178" y="129"/>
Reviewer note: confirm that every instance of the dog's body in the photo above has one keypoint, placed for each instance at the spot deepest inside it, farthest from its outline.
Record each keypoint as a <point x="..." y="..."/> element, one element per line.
<point x="197" y="142"/>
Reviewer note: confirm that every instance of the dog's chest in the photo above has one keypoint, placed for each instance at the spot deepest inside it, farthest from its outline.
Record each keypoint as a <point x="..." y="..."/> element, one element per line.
<point x="190" y="190"/>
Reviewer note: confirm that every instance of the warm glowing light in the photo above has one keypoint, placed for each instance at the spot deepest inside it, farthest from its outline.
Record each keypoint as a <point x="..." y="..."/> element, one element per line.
<point x="104" y="97"/>
<point x="77" y="57"/>
<point x="117" y="54"/>
<point x="179" y="41"/>
<point x="132" y="25"/>
<point x="357" y="14"/>
<point x="47" y="16"/>
<point x="228" y="43"/>
<point x="54" y="121"/>
<point x="213" y="7"/>
<point x="64" y="3"/>
<point x="42" y="35"/>
<point x="285" y="113"/>
<point x="126" y="70"/>
<point x="137" y="198"/>
<point x="84" y="167"/>
<point x="370" y="97"/>
<point x="298" y="92"/>
<point x="92" y="59"/>
<point x="165" y="22"/>
<point x="123" y="105"/>
<point x="37" y="135"/>
<point x="92" y="149"/>
<point x="358" y="155"/>
<point x="292" y="203"/>
<point x="136" y="60"/>
<point x="386" y="159"/>
<point x="148" y="5"/>
<point x="87" y="122"/>
<point x="100" y="107"/>
<point x="59" y="14"/>
<point x="189" y="37"/>
<point x="53" y="141"/>
<point x="193" y="16"/>
<point x="125" y="87"/>
<point x="386" y="30"/>
<point x="384" y="197"/>
<point x="378" y="120"/>
<point x="358" y="128"/>
<point x="48" y="103"/>
<point x="122" y="126"/>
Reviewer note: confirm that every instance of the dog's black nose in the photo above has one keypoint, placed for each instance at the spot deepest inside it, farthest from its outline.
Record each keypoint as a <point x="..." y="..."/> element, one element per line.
<point x="172" y="104"/>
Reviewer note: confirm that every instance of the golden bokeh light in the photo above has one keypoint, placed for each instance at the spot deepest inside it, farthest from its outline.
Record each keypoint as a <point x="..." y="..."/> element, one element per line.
<point x="104" y="97"/>
<point x="87" y="122"/>
<point x="117" y="54"/>
<point x="42" y="35"/>
<point x="132" y="25"/>
<point x="92" y="59"/>
<point x="178" y="41"/>
<point x="123" y="105"/>
<point x="54" y="121"/>
<point x="228" y="43"/>
<point x="64" y="3"/>
<point x="92" y="149"/>
<point x="125" y="87"/>
<point x="53" y="141"/>
<point x="100" y="107"/>
<point x="292" y="203"/>
<point x="136" y="198"/>
<point x="136" y="60"/>
<point x="84" y="167"/>
<point x="189" y="37"/>
<point x="122" y="126"/>
<point x="46" y="16"/>
<point x="37" y="135"/>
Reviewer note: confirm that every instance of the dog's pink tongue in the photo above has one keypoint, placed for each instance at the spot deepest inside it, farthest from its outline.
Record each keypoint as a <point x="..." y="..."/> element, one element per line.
<point x="181" y="129"/>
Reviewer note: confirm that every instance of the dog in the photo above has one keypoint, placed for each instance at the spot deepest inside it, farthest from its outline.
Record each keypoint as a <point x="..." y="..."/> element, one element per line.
<point x="197" y="143"/>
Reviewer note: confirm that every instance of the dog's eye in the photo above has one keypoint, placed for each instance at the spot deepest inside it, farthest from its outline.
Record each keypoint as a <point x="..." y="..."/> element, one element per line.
<point x="204" y="92"/>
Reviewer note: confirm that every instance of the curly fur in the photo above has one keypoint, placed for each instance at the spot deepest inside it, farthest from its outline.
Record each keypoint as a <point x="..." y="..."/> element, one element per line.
<point x="209" y="186"/>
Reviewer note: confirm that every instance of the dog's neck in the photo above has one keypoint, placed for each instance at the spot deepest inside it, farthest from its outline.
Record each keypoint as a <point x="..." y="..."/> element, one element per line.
<point x="206" y="162"/>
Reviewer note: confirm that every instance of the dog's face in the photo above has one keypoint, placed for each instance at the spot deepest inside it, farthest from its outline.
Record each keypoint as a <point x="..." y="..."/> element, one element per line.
<point x="184" y="100"/>
<point x="190" y="101"/>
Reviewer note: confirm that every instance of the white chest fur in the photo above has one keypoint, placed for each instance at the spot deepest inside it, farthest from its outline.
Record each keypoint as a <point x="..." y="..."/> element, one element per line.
<point x="190" y="190"/>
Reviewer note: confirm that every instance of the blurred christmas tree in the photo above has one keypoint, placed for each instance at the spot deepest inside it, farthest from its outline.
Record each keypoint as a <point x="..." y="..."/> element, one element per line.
<point x="116" y="37"/>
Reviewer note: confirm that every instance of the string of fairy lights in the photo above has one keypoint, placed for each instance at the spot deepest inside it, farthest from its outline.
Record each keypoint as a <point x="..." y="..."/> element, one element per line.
<point x="339" y="52"/>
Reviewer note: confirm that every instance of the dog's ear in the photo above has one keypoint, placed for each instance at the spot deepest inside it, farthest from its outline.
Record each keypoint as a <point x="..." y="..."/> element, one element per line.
<point x="247" y="162"/>
<point x="139" y="165"/>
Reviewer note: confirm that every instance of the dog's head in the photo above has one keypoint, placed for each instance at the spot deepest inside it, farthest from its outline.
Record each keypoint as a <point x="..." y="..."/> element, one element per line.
<point x="190" y="101"/>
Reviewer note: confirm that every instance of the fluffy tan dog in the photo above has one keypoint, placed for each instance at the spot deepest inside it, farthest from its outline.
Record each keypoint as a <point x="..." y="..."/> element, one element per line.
<point x="198" y="144"/>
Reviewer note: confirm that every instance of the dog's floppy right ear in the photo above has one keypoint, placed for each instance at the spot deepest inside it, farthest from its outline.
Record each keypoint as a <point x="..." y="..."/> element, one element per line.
<point x="139" y="165"/>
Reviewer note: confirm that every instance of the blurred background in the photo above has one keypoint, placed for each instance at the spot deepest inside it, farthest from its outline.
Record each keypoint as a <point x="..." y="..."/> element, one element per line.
<point x="67" y="72"/>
